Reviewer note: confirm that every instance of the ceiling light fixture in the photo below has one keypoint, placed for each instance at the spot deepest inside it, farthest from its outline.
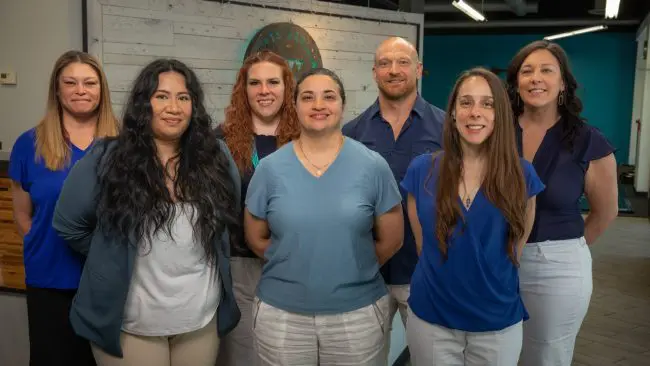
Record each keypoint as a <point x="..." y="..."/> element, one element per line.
<point x="611" y="8"/>
<point x="469" y="10"/>
<point x="575" y="32"/>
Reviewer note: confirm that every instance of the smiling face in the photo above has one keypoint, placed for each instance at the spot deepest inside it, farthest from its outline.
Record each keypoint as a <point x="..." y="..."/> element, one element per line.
<point x="79" y="89"/>
<point x="319" y="104"/>
<point x="474" y="111"/>
<point x="396" y="69"/>
<point x="539" y="79"/>
<point x="265" y="90"/>
<point x="171" y="105"/>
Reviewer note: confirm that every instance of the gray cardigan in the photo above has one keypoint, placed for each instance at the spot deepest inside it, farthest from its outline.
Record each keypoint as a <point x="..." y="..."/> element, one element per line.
<point x="98" y="306"/>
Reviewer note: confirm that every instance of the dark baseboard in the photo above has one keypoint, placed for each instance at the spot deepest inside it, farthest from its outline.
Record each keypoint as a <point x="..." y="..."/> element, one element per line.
<point x="403" y="358"/>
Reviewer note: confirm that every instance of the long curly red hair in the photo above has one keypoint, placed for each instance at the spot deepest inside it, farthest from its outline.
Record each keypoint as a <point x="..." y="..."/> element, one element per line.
<point x="238" y="126"/>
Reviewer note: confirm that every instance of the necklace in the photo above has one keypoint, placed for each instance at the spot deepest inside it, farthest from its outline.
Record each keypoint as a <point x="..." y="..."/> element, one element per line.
<point x="467" y="201"/>
<point x="319" y="169"/>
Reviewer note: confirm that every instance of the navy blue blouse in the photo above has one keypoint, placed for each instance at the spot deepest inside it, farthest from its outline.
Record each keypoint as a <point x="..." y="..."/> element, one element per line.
<point x="558" y="215"/>
<point x="265" y="145"/>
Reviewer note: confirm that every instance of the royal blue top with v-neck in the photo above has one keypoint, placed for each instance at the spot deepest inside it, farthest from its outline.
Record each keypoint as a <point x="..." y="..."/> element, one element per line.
<point x="477" y="288"/>
<point x="558" y="215"/>
<point x="49" y="262"/>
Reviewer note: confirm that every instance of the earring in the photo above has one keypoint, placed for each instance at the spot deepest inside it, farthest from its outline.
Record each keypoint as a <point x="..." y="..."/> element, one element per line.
<point x="560" y="98"/>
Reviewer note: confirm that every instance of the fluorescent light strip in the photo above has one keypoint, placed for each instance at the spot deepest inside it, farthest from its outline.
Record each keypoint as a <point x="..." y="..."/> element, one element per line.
<point x="611" y="8"/>
<point x="575" y="32"/>
<point x="467" y="9"/>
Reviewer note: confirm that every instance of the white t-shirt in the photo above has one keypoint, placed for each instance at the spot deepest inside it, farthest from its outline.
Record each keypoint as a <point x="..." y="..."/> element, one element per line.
<point x="173" y="288"/>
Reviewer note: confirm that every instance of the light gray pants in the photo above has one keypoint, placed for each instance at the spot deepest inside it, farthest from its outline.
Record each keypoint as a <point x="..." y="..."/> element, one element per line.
<point x="399" y="295"/>
<point x="237" y="347"/>
<point x="433" y="345"/>
<point x="556" y="285"/>
<point x="354" y="338"/>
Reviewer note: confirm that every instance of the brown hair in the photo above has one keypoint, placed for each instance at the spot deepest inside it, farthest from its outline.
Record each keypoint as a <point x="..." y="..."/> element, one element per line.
<point x="238" y="126"/>
<point x="51" y="137"/>
<point x="503" y="184"/>
<point x="571" y="106"/>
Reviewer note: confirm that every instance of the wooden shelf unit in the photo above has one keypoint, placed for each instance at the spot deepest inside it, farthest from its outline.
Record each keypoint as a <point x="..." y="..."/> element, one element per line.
<point x="12" y="270"/>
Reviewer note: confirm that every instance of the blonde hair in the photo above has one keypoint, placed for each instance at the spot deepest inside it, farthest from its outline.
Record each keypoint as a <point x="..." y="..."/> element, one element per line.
<point x="51" y="138"/>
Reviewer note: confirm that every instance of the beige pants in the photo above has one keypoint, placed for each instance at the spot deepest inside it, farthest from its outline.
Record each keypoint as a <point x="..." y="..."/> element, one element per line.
<point x="197" y="348"/>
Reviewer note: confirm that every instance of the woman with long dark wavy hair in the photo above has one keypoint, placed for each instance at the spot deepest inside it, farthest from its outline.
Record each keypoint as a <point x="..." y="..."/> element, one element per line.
<point x="571" y="158"/>
<point x="152" y="211"/>
<point x="471" y="208"/>
<point x="261" y="118"/>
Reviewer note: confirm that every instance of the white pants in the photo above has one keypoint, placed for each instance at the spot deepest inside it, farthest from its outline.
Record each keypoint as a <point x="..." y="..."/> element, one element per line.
<point x="433" y="345"/>
<point x="355" y="338"/>
<point x="556" y="285"/>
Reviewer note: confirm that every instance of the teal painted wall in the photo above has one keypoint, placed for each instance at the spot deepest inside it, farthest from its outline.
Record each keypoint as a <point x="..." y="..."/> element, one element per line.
<point x="603" y="64"/>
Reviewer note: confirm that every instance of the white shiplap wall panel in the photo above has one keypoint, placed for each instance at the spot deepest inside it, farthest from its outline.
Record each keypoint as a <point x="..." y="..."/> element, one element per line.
<point x="212" y="36"/>
<point x="138" y="4"/>
<point x="172" y="14"/>
<point x="138" y="30"/>
<point x="196" y="63"/>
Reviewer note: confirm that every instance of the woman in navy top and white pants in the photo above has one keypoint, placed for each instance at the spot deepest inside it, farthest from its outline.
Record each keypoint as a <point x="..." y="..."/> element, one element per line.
<point x="471" y="209"/>
<point x="570" y="158"/>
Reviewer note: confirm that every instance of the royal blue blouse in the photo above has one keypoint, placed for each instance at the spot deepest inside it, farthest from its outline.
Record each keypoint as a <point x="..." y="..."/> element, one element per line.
<point x="477" y="288"/>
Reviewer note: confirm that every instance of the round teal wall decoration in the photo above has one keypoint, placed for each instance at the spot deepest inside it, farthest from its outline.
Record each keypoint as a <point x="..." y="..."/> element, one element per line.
<point x="289" y="41"/>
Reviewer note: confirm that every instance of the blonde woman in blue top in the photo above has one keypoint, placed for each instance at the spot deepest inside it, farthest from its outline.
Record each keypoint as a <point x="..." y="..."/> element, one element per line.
<point x="471" y="209"/>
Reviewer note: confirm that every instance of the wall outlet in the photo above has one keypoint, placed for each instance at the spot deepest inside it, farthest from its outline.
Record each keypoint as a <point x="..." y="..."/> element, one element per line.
<point x="7" y="78"/>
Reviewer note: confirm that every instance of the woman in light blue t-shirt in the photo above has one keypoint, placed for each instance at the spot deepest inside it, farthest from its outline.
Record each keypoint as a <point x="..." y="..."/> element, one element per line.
<point x="325" y="212"/>
<point x="471" y="209"/>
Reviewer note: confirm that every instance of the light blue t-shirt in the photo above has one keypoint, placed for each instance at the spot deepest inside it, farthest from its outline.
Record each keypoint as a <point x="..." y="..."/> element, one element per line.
<point x="321" y="259"/>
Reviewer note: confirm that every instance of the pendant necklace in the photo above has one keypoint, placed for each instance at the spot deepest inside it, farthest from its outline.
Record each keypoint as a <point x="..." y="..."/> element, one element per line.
<point x="319" y="169"/>
<point x="467" y="201"/>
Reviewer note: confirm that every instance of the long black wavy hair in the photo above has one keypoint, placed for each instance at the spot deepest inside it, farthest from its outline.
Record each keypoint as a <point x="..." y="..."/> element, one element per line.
<point x="571" y="106"/>
<point x="134" y="201"/>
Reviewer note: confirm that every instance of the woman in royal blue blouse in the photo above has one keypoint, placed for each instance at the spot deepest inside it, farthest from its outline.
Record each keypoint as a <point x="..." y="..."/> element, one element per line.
<point x="471" y="209"/>
<point x="78" y="112"/>
<point x="571" y="158"/>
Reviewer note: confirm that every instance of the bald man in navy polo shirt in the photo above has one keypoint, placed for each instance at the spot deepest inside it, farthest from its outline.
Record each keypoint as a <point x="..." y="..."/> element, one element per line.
<point x="400" y="125"/>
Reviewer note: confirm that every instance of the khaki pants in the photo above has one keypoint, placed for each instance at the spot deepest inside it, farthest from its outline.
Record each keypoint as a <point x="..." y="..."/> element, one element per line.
<point x="197" y="348"/>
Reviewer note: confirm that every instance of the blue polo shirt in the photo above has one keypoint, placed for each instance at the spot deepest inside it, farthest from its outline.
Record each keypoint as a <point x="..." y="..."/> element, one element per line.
<point x="422" y="133"/>
<point x="49" y="262"/>
<point x="477" y="288"/>
<point x="558" y="215"/>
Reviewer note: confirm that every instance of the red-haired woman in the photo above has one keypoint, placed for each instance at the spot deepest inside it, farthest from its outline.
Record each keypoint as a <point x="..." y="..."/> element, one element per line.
<point x="260" y="118"/>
